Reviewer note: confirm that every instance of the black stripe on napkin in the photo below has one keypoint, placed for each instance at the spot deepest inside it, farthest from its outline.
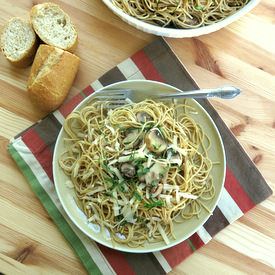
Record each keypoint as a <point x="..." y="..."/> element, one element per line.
<point x="144" y="264"/>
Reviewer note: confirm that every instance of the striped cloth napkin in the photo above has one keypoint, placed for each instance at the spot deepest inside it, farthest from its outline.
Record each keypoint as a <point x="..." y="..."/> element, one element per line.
<point x="33" y="151"/>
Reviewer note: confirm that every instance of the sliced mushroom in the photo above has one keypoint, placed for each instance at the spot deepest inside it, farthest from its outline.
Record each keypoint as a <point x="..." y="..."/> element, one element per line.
<point x="155" y="141"/>
<point x="131" y="138"/>
<point x="189" y="21"/>
<point x="157" y="174"/>
<point x="128" y="170"/>
<point x="157" y="190"/>
<point x="143" y="117"/>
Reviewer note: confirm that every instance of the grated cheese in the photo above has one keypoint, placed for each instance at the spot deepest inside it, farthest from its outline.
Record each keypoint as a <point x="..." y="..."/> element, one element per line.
<point x="76" y="168"/>
<point x="98" y="189"/>
<point x="167" y="199"/>
<point x="88" y="174"/>
<point x="181" y="130"/>
<point x="109" y="127"/>
<point x="178" y="149"/>
<point x="117" y="146"/>
<point x="110" y="149"/>
<point x="163" y="234"/>
<point x="169" y="187"/>
<point x="113" y="162"/>
<point x="187" y="195"/>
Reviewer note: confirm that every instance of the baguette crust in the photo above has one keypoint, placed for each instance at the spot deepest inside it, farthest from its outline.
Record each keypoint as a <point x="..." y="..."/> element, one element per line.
<point x="27" y="57"/>
<point x="44" y="31"/>
<point x="51" y="77"/>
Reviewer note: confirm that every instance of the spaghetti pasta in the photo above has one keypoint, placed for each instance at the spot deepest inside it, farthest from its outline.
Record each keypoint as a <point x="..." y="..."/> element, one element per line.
<point x="182" y="14"/>
<point x="137" y="169"/>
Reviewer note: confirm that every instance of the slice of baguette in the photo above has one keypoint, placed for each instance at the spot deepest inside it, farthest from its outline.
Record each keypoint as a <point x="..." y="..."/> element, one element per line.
<point x="51" y="77"/>
<point x="54" y="26"/>
<point x="18" y="42"/>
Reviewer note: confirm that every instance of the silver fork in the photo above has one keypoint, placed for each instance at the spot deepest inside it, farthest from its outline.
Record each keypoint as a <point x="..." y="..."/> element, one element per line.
<point x="118" y="98"/>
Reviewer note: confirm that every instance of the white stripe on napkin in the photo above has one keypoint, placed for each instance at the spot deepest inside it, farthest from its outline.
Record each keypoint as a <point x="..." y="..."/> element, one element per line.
<point x="167" y="268"/>
<point x="228" y="207"/>
<point x="96" y="85"/>
<point x="130" y="70"/>
<point x="204" y="235"/>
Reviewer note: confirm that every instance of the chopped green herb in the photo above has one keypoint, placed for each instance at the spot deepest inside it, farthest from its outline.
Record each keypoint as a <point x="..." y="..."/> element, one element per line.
<point x="121" y="128"/>
<point x="120" y="186"/>
<point x="131" y="129"/>
<point x="132" y="157"/>
<point x="156" y="147"/>
<point x="140" y="220"/>
<point x="164" y="171"/>
<point x="137" y="195"/>
<point x="127" y="143"/>
<point x="104" y="165"/>
<point x="199" y="8"/>
<point x="149" y="126"/>
<point x="138" y="163"/>
<point x="105" y="157"/>
<point x="134" y="184"/>
<point x="120" y="217"/>
<point x="158" y="4"/>
<point x="159" y="127"/>
<point x="108" y="194"/>
<point x="123" y="223"/>
<point x="114" y="183"/>
<point x="145" y="170"/>
<point x="176" y="167"/>
<point x="155" y="204"/>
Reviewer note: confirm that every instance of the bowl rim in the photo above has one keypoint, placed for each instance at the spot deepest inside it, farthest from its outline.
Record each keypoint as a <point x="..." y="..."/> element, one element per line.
<point x="132" y="250"/>
<point x="181" y="33"/>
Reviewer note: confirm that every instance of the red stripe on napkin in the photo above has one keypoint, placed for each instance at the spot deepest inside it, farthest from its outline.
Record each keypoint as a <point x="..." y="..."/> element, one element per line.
<point x="88" y="90"/>
<point x="146" y="66"/>
<point x="40" y="151"/>
<point x="176" y="254"/>
<point x="116" y="260"/>
<point x="67" y="108"/>
<point x="237" y="192"/>
<point x="196" y="241"/>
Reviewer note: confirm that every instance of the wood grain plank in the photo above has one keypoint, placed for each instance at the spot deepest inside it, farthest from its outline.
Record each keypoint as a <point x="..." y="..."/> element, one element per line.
<point x="217" y="258"/>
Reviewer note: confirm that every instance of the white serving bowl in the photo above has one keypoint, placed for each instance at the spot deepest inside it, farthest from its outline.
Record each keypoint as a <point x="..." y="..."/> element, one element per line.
<point x="180" y="33"/>
<point x="183" y="230"/>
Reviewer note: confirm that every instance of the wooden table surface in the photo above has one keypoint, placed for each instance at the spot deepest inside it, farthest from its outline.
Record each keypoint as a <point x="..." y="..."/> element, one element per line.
<point x="242" y="54"/>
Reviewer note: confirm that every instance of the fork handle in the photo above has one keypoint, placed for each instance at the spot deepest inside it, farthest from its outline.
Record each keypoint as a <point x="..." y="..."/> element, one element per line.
<point x="222" y="92"/>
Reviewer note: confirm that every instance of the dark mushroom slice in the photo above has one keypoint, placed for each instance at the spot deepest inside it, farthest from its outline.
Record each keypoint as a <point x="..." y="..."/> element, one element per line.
<point x="157" y="190"/>
<point x="155" y="141"/>
<point x="194" y="21"/>
<point x="143" y="117"/>
<point x="128" y="170"/>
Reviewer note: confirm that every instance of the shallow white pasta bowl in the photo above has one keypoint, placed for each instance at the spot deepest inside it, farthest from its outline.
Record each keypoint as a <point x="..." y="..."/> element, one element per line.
<point x="180" y="33"/>
<point x="182" y="231"/>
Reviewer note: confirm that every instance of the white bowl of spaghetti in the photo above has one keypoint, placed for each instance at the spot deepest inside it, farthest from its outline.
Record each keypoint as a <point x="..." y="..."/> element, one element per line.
<point x="142" y="177"/>
<point x="180" y="19"/>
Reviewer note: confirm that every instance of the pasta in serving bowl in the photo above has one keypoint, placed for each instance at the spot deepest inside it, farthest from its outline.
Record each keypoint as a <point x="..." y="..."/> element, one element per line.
<point x="142" y="177"/>
<point x="180" y="19"/>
